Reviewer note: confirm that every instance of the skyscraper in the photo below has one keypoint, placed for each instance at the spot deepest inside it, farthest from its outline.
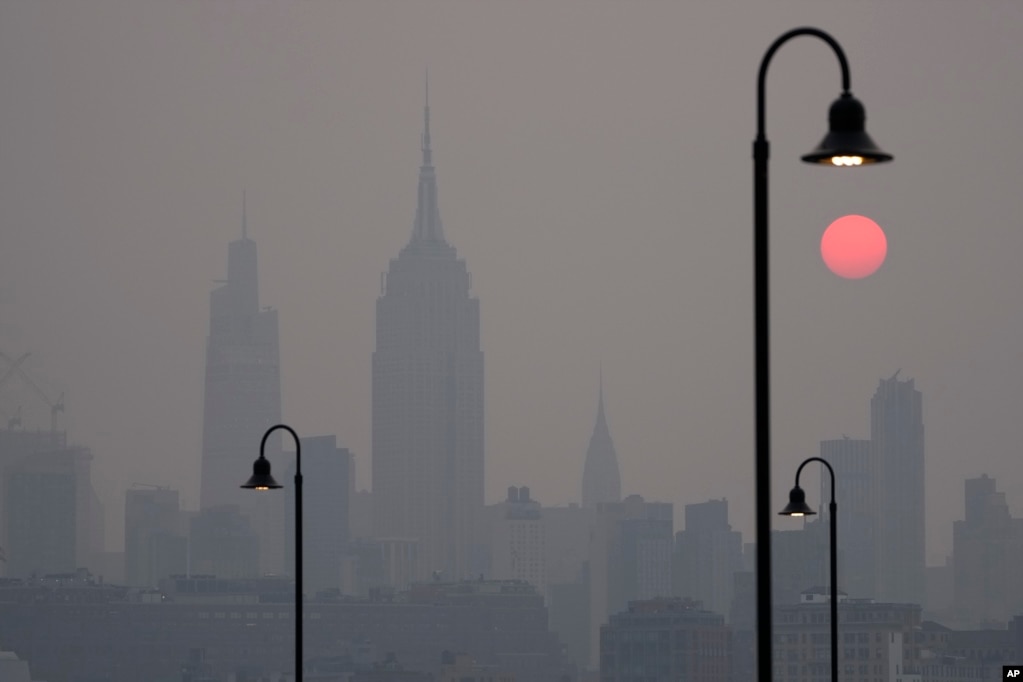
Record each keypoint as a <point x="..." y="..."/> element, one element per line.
<point x="897" y="451"/>
<point x="428" y="447"/>
<point x="242" y="396"/>
<point x="601" y="479"/>
<point x="856" y="501"/>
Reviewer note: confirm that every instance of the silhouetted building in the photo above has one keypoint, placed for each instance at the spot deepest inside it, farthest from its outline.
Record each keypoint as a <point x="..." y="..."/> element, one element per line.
<point x="602" y="480"/>
<point x="428" y="447"/>
<point x="665" y="640"/>
<point x="877" y="641"/>
<point x="84" y="631"/>
<point x="987" y="548"/>
<point x="856" y="499"/>
<point x="629" y="558"/>
<point x="242" y="398"/>
<point x="222" y="542"/>
<point x="326" y="491"/>
<point x="53" y="518"/>
<point x="155" y="544"/>
<point x="897" y="451"/>
<point x="708" y="553"/>
<point x="519" y="541"/>
<point x="799" y="558"/>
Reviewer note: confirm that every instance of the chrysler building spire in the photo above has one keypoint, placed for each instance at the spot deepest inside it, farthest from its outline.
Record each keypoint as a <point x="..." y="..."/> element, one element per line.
<point x="601" y="478"/>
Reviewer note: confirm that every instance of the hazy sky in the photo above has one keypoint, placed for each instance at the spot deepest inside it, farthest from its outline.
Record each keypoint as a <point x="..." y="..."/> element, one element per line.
<point x="594" y="165"/>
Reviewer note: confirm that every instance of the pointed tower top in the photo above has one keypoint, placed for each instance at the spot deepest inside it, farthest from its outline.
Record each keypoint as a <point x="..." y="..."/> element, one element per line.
<point x="245" y="226"/>
<point x="601" y="477"/>
<point x="427" y="155"/>
<point x="427" y="227"/>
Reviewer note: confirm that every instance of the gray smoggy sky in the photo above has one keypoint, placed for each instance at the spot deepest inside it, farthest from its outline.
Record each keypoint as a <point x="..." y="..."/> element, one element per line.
<point x="594" y="165"/>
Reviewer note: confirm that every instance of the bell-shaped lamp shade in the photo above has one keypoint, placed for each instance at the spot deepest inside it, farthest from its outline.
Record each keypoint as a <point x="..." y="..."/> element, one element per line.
<point x="261" y="478"/>
<point x="797" y="505"/>
<point x="847" y="143"/>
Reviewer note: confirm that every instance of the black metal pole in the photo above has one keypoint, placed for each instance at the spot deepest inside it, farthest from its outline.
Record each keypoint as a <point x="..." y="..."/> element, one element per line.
<point x="833" y="552"/>
<point x="298" y="561"/>
<point x="832" y="508"/>
<point x="298" y="538"/>
<point x="762" y="356"/>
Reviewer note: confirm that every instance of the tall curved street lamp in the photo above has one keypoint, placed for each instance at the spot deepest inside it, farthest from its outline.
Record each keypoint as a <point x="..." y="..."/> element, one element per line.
<point x="797" y="506"/>
<point x="845" y="145"/>
<point x="262" y="480"/>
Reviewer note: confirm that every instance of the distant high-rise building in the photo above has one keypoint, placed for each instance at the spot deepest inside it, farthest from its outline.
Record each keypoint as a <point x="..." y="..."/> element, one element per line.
<point x="602" y="480"/>
<point x="242" y="398"/>
<point x="987" y="549"/>
<point x="708" y="553"/>
<point x="222" y="543"/>
<point x="326" y="496"/>
<point x="518" y="546"/>
<point x="53" y="518"/>
<point x="629" y="558"/>
<point x="155" y="544"/>
<point x="897" y="453"/>
<point x="856" y="500"/>
<point x="428" y="446"/>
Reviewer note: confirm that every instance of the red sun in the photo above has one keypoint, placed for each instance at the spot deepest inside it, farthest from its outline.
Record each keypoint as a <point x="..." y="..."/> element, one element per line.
<point x="854" y="247"/>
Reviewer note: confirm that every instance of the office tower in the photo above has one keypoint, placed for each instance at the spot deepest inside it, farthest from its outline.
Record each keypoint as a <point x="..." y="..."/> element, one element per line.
<point x="708" y="553"/>
<point x="897" y="453"/>
<point x="519" y="541"/>
<point x="51" y="513"/>
<point x="326" y="496"/>
<point x="155" y="545"/>
<point x="800" y="560"/>
<point x="856" y="500"/>
<point x="223" y="544"/>
<point x="987" y="556"/>
<point x="629" y="558"/>
<point x="602" y="481"/>
<point x="664" y="640"/>
<point x="242" y="398"/>
<point x="428" y="448"/>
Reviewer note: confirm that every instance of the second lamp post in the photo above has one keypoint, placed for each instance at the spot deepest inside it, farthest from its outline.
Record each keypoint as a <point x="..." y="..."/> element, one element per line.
<point x="262" y="480"/>
<point x="797" y="506"/>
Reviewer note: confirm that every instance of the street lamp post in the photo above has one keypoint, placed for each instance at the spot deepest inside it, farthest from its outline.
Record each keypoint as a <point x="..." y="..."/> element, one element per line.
<point x="797" y="506"/>
<point x="845" y="145"/>
<point x="262" y="480"/>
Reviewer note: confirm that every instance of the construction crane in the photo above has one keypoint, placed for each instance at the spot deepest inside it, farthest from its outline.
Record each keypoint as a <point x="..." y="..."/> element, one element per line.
<point x="12" y="366"/>
<point x="15" y="367"/>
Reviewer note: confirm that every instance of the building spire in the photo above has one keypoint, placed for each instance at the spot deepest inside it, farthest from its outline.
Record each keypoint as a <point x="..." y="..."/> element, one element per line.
<point x="427" y="160"/>
<point x="427" y="227"/>
<point x="601" y="476"/>
<point x="245" y="225"/>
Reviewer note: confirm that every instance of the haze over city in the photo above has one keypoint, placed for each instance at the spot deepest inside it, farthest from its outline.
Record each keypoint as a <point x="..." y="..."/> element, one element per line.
<point x="593" y="163"/>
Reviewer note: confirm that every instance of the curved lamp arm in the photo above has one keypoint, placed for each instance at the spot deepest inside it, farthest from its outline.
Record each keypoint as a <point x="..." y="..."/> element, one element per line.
<point x="830" y="471"/>
<point x="784" y="38"/>
<point x="298" y="445"/>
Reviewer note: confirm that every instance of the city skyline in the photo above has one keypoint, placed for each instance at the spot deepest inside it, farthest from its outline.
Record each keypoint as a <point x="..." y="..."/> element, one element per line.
<point x="596" y="182"/>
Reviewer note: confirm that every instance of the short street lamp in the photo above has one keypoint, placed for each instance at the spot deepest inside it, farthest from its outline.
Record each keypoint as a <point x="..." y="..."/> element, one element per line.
<point x="797" y="506"/>
<point x="262" y="480"/>
<point x="846" y="145"/>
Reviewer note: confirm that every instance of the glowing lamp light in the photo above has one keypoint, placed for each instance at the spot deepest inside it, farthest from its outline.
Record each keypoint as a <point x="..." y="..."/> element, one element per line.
<point x="847" y="160"/>
<point x="854" y="247"/>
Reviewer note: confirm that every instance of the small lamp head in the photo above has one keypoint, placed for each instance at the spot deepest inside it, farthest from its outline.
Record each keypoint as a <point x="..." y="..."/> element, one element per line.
<point x="797" y="505"/>
<point x="847" y="143"/>
<point x="261" y="478"/>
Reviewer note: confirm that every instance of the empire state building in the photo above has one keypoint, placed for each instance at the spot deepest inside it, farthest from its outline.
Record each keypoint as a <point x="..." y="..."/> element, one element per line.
<point x="428" y="447"/>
